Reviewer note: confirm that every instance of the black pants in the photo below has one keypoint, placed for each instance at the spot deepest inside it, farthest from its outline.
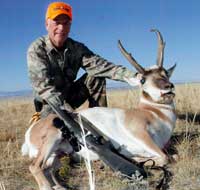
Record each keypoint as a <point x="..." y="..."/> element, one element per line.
<point x="85" y="88"/>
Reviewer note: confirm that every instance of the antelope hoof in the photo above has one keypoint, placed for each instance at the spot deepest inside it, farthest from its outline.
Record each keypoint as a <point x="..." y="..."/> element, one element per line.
<point x="162" y="161"/>
<point x="174" y="158"/>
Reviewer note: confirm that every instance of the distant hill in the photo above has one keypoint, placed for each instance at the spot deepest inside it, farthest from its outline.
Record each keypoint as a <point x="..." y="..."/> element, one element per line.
<point x="5" y="94"/>
<point x="27" y="93"/>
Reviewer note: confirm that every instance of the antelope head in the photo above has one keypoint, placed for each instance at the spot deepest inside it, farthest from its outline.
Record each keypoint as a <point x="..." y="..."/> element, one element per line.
<point x="154" y="82"/>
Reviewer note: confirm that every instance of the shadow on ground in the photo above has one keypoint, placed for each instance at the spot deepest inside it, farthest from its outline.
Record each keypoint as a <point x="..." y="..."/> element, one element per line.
<point x="190" y="117"/>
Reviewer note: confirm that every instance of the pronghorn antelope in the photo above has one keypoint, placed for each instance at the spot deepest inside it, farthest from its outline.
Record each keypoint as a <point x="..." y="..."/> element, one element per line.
<point x="139" y="134"/>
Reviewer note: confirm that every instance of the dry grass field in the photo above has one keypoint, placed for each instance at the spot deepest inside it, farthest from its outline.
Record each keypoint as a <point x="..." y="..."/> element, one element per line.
<point x="185" y="174"/>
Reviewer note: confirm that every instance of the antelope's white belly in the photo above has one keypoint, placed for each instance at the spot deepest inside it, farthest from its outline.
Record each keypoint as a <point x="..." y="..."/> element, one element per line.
<point x="111" y="123"/>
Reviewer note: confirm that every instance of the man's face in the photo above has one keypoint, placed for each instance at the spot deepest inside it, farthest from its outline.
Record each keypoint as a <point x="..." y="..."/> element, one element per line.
<point x="58" y="29"/>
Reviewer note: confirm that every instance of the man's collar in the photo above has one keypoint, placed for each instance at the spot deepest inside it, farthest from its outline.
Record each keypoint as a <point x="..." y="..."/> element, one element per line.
<point x="50" y="46"/>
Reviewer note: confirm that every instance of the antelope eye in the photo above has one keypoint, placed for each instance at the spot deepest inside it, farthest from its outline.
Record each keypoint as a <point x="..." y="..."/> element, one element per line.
<point x="142" y="81"/>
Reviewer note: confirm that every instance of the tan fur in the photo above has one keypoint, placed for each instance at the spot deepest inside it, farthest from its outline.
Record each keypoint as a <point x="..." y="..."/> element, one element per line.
<point x="48" y="140"/>
<point x="42" y="130"/>
<point x="137" y="122"/>
<point x="151" y="109"/>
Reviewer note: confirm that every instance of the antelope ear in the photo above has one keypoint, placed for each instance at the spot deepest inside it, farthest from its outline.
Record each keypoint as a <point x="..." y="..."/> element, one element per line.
<point x="170" y="70"/>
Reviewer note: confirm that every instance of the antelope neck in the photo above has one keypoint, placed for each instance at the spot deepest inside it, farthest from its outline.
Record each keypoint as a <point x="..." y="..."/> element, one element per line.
<point x="146" y="98"/>
<point x="165" y="111"/>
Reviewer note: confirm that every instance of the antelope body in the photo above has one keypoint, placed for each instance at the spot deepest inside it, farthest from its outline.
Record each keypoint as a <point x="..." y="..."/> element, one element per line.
<point x="139" y="134"/>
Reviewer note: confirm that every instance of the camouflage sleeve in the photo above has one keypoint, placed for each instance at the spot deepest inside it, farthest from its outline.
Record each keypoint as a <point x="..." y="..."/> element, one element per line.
<point x="99" y="67"/>
<point x="38" y="71"/>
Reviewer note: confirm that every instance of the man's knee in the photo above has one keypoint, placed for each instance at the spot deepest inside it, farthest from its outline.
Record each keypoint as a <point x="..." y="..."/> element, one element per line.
<point x="95" y="83"/>
<point x="96" y="87"/>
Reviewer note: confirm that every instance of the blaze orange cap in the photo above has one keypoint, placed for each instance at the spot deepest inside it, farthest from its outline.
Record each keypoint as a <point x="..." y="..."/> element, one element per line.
<point x="58" y="8"/>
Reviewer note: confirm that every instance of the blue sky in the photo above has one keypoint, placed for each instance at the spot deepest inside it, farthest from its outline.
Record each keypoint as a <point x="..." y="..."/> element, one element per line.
<point x="99" y="24"/>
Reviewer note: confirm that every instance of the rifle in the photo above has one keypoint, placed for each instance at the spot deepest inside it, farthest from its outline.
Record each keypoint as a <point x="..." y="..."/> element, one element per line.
<point x="99" y="144"/>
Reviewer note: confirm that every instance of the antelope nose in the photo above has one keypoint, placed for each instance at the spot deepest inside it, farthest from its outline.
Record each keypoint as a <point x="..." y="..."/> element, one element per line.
<point x="169" y="85"/>
<point x="172" y="86"/>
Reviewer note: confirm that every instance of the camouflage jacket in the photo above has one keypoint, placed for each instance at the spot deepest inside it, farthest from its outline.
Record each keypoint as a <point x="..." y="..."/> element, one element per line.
<point x="45" y="63"/>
